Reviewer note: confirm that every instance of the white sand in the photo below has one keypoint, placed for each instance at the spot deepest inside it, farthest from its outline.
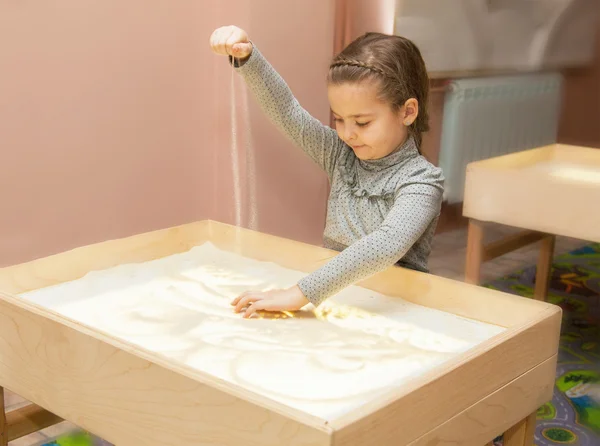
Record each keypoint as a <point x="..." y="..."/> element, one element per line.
<point x="569" y="171"/>
<point x="326" y="362"/>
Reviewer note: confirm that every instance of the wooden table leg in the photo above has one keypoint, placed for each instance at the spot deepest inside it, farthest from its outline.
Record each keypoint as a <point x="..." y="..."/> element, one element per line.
<point x="27" y="420"/>
<point x="544" y="268"/>
<point x="522" y="433"/>
<point x="474" y="252"/>
<point x="23" y="421"/>
<point x="3" y="425"/>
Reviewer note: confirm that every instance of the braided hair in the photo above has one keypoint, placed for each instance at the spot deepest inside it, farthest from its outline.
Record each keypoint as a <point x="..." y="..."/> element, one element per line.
<point x="396" y="63"/>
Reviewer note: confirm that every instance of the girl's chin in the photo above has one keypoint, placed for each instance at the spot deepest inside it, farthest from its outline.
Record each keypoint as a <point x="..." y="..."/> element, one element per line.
<point x="363" y="153"/>
<point x="360" y="150"/>
<point x="366" y="153"/>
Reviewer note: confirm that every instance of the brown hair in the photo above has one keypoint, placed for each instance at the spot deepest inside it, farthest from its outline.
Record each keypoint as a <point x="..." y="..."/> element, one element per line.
<point x="394" y="61"/>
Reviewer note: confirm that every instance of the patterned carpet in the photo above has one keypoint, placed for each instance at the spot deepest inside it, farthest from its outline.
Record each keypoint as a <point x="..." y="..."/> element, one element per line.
<point x="573" y="416"/>
<point x="76" y="439"/>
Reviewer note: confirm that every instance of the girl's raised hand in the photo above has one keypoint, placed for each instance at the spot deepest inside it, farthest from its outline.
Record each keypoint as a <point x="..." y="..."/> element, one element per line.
<point x="232" y="41"/>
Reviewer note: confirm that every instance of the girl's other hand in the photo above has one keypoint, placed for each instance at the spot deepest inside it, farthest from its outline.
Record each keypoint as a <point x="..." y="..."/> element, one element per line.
<point x="232" y="41"/>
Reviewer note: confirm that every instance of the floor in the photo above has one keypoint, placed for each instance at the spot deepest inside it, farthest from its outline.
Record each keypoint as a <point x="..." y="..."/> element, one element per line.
<point x="449" y="253"/>
<point x="447" y="260"/>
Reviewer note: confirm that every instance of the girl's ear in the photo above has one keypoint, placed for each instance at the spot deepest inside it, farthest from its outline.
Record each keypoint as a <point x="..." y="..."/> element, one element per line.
<point x="410" y="111"/>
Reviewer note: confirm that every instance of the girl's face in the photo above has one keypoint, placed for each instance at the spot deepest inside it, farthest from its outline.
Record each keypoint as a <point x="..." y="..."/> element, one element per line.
<point x="366" y="123"/>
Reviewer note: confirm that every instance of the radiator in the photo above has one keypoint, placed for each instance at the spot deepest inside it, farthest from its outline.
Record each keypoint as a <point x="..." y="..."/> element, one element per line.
<point x="488" y="117"/>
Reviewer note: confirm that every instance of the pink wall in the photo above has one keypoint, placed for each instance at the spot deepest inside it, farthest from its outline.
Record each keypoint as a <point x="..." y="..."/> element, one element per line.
<point x="115" y="119"/>
<point x="356" y="17"/>
<point x="291" y="192"/>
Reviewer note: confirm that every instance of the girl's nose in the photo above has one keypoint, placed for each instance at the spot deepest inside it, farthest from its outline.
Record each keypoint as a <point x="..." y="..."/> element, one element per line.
<point x="349" y="134"/>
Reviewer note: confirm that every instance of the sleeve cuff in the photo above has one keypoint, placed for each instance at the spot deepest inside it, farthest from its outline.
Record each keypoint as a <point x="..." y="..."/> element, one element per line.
<point x="243" y="64"/>
<point x="310" y="292"/>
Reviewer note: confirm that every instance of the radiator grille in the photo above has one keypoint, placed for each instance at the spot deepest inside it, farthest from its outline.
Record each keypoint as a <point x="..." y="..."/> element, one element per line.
<point x="488" y="117"/>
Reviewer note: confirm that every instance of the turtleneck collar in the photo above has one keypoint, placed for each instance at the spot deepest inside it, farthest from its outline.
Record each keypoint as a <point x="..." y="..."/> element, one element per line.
<point x="405" y="151"/>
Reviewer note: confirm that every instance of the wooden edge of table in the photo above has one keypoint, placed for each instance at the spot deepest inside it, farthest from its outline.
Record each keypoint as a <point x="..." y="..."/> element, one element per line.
<point x="447" y="295"/>
<point x="490" y="353"/>
<point x="513" y="160"/>
<point x="516" y="160"/>
<point x="513" y="163"/>
<point x="456" y="386"/>
<point x="482" y="421"/>
<point x="498" y="412"/>
<point x="38" y="346"/>
<point x="515" y="199"/>
<point x="523" y="317"/>
<point x="585" y="154"/>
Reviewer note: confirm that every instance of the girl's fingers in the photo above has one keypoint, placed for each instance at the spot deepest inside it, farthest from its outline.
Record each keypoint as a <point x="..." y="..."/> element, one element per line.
<point x="264" y="305"/>
<point x="211" y="39"/>
<point x="241" y="50"/>
<point x="244" y="301"/>
<point x="237" y="299"/>
<point x="230" y="40"/>
<point x="214" y="40"/>
<point x="223" y="38"/>
<point x="237" y="44"/>
<point x="241" y="303"/>
<point x="219" y="38"/>
<point x="256" y="306"/>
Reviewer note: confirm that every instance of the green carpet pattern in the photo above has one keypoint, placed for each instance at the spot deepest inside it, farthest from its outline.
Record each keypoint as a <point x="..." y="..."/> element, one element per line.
<point x="573" y="415"/>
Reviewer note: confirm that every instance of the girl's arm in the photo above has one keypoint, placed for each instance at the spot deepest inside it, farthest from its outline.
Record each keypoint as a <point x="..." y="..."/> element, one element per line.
<point x="274" y="96"/>
<point x="416" y="206"/>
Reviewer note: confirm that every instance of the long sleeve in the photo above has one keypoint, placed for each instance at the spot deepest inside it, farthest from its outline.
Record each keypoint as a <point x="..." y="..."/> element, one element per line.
<point x="413" y="211"/>
<point x="319" y="141"/>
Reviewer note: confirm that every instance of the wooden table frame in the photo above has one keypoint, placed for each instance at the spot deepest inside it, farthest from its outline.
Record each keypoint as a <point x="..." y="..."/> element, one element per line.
<point x="32" y="418"/>
<point x="513" y="190"/>
<point x="111" y="387"/>
<point x="478" y="253"/>
<point x="23" y="421"/>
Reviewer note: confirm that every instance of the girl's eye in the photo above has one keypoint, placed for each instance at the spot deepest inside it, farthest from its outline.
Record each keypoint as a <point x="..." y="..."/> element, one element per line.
<point x="363" y="124"/>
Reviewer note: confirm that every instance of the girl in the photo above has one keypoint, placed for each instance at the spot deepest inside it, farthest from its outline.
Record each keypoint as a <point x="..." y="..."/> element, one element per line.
<point x="385" y="198"/>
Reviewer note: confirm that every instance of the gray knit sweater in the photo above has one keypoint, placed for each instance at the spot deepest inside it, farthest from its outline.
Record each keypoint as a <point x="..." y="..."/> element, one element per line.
<point x="379" y="212"/>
